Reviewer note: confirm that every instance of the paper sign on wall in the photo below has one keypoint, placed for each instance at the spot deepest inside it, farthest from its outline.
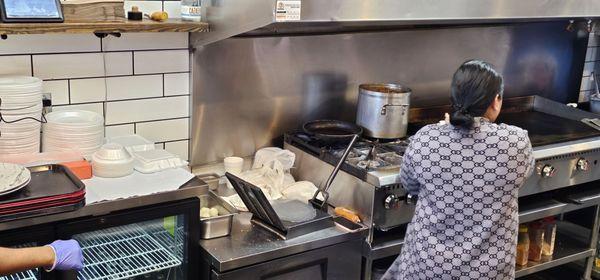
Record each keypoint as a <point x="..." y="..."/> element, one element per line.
<point x="288" y="10"/>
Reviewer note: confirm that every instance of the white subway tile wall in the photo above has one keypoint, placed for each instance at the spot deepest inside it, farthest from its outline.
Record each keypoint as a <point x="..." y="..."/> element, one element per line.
<point x="132" y="87"/>
<point x="15" y="65"/>
<point x="59" y="90"/>
<point x="65" y="66"/>
<point x="139" y="82"/>
<point x="120" y="130"/>
<point x="180" y="148"/>
<point x="163" y="131"/>
<point x="118" y="63"/>
<point x="177" y="84"/>
<point x="88" y="90"/>
<point x="173" y="8"/>
<point x="143" y="110"/>
<point x="146" y="62"/>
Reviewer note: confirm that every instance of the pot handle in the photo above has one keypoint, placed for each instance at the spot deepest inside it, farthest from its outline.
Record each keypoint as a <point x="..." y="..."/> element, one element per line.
<point x="384" y="108"/>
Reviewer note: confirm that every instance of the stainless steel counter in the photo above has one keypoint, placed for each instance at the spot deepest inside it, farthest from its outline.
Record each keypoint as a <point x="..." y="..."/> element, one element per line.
<point x="249" y="244"/>
<point x="193" y="188"/>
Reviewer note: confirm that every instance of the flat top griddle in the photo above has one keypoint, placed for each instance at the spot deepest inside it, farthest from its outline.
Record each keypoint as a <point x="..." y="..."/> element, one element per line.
<point x="545" y="129"/>
<point x="547" y="121"/>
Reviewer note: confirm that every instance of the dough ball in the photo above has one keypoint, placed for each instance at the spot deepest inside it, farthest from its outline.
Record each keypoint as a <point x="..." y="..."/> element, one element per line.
<point x="214" y="212"/>
<point x="204" y="212"/>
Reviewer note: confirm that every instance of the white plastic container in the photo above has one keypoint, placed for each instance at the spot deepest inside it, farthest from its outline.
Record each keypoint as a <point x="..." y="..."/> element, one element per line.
<point x="156" y="160"/>
<point x="133" y="143"/>
<point x="233" y="165"/>
<point x="112" y="161"/>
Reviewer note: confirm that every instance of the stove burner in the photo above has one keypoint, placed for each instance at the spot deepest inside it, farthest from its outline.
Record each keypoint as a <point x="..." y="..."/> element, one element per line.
<point x="372" y="156"/>
<point x="366" y="155"/>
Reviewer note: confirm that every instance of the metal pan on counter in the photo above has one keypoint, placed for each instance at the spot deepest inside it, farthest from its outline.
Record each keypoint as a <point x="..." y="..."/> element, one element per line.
<point x="220" y="225"/>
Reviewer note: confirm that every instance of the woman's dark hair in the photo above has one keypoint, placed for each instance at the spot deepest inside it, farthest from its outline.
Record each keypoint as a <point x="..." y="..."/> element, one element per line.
<point x="474" y="86"/>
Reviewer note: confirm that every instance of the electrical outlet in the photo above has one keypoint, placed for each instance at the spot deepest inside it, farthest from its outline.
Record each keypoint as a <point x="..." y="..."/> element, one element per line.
<point x="47" y="103"/>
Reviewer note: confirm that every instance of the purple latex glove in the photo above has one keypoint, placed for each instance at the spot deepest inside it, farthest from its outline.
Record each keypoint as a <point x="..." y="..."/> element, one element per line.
<point x="69" y="255"/>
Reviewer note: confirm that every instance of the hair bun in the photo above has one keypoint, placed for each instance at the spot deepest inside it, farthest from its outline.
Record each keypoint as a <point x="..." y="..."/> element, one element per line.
<point x="461" y="119"/>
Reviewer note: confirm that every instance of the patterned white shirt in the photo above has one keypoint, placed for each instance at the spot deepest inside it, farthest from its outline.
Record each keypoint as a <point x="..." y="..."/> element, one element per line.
<point x="466" y="218"/>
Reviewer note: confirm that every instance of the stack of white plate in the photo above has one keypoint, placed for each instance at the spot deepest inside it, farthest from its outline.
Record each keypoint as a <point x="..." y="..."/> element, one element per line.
<point x="21" y="97"/>
<point x="75" y="130"/>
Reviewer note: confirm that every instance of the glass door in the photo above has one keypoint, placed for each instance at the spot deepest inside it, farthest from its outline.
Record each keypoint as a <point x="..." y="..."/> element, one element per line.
<point x="152" y="243"/>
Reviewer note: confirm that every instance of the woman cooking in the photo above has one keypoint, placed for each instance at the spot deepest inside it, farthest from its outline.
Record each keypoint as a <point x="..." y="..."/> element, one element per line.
<point x="466" y="175"/>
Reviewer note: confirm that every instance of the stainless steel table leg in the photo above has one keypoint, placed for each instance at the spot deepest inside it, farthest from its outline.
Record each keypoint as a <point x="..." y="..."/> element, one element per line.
<point x="368" y="268"/>
<point x="589" y="264"/>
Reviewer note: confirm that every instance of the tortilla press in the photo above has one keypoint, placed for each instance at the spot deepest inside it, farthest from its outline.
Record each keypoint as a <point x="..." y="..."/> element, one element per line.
<point x="266" y="216"/>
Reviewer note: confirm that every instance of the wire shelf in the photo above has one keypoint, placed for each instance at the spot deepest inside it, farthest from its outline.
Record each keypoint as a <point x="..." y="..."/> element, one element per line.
<point x="122" y="252"/>
<point x="26" y="275"/>
<point x="173" y="243"/>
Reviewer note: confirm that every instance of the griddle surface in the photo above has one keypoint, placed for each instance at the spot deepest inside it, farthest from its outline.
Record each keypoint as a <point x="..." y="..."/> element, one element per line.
<point x="547" y="129"/>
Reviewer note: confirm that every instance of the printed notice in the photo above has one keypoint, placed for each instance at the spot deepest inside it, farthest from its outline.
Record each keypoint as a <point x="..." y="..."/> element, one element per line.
<point x="288" y="10"/>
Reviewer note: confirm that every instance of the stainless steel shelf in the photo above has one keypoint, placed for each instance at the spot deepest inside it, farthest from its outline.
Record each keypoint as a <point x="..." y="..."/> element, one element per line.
<point x="121" y="253"/>
<point x="566" y="250"/>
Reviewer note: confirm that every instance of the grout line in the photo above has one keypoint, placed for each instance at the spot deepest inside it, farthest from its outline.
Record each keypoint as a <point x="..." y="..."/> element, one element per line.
<point x="163" y="84"/>
<point x="31" y="61"/>
<point x="69" y="90"/>
<point x="132" y="63"/>
<point x="151" y="121"/>
<point x="173" y="141"/>
<point x="116" y="76"/>
<point x="94" y="52"/>
<point x="143" y="98"/>
<point x="134" y="128"/>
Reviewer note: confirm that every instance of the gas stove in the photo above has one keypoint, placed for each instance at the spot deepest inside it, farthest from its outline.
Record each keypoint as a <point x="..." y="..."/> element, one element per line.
<point x="566" y="150"/>
<point x="370" y="160"/>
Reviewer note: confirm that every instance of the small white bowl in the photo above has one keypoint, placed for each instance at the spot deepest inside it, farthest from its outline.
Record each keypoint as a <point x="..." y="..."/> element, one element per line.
<point x="112" y="161"/>
<point x="112" y="152"/>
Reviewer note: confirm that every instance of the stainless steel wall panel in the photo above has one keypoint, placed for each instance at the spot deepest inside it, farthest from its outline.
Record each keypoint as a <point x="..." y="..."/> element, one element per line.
<point x="249" y="91"/>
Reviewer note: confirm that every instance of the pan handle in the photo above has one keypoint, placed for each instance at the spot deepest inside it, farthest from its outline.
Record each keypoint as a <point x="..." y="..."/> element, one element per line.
<point x="384" y="108"/>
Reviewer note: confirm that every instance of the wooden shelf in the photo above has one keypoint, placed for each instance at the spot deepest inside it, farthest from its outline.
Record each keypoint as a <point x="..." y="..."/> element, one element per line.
<point x="119" y="26"/>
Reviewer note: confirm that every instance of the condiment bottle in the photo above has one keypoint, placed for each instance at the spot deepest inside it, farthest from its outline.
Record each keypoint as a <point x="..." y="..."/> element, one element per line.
<point x="191" y="10"/>
<point x="549" y="236"/>
<point x="597" y="258"/>
<point x="536" y="239"/>
<point x="522" y="246"/>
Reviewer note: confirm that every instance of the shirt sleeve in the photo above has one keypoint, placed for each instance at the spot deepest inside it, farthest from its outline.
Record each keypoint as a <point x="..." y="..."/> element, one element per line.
<point x="530" y="159"/>
<point x="408" y="176"/>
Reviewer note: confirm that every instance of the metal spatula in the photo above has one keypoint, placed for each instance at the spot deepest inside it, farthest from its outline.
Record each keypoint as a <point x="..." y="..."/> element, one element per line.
<point x="323" y="189"/>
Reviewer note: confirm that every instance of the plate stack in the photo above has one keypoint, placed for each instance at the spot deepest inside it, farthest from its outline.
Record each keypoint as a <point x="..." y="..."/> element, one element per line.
<point x="75" y="130"/>
<point x="21" y="97"/>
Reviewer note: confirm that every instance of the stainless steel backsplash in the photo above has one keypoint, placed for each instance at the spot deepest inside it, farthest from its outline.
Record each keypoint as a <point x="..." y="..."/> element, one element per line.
<point x="248" y="91"/>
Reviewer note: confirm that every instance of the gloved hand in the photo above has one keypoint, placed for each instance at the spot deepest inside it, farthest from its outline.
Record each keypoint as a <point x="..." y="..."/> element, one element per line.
<point x="68" y="255"/>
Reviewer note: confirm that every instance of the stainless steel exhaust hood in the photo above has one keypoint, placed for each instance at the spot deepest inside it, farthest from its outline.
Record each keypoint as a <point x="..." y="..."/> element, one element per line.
<point x="259" y="17"/>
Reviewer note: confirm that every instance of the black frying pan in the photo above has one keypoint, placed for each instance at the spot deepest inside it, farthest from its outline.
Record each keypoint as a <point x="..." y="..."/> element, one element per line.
<point x="332" y="130"/>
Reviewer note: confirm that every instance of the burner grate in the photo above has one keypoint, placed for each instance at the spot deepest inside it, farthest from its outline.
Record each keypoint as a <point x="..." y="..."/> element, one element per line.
<point x="121" y="253"/>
